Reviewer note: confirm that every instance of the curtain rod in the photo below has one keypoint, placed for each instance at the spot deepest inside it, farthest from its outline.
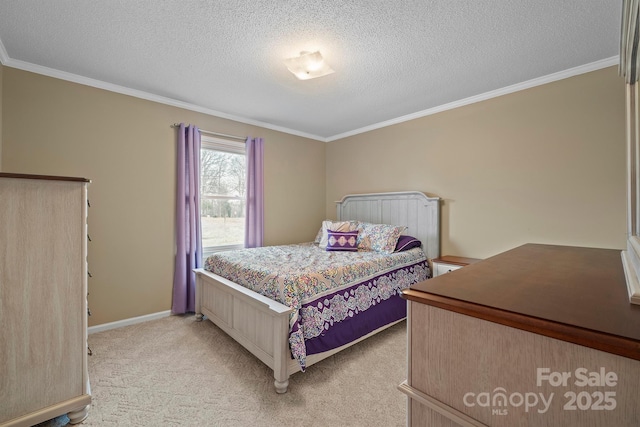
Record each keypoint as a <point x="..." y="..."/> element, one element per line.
<point x="223" y="135"/>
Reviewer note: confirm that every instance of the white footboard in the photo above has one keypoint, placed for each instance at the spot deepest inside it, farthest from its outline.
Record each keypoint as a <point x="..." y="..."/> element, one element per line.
<point x="258" y="323"/>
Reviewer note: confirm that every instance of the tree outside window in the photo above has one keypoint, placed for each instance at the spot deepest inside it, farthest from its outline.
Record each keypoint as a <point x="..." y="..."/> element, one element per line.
<point x="222" y="194"/>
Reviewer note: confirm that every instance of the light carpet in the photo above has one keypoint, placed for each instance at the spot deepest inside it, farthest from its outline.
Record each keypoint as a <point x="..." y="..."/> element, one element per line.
<point x="178" y="372"/>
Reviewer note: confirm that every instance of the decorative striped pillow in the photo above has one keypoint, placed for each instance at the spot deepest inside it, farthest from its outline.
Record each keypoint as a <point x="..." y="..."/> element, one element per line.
<point x="342" y="240"/>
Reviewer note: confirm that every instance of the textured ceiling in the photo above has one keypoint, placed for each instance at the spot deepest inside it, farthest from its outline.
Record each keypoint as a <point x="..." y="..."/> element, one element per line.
<point x="392" y="59"/>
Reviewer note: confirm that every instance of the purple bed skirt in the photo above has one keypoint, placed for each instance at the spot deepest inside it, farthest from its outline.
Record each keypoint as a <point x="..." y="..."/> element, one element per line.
<point x="341" y="317"/>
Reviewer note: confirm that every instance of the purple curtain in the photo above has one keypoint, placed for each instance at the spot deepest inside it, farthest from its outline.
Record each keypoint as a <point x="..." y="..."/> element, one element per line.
<point x="254" y="219"/>
<point x="188" y="229"/>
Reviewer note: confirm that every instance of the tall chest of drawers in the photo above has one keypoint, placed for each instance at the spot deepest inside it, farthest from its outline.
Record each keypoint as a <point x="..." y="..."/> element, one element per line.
<point x="43" y="299"/>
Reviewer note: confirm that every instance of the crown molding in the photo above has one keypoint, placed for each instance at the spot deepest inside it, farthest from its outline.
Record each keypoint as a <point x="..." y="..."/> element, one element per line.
<point x="4" y="56"/>
<point x="50" y="72"/>
<point x="571" y="72"/>
<point x="99" y="84"/>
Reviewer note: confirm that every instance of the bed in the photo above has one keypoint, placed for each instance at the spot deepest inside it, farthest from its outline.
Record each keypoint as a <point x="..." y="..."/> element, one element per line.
<point x="291" y="317"/>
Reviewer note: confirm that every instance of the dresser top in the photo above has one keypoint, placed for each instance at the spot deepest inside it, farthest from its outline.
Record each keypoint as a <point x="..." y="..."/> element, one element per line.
<point x="455" y="260"/>
<point x="569" y="293"/>
<point x="45" y="177"/>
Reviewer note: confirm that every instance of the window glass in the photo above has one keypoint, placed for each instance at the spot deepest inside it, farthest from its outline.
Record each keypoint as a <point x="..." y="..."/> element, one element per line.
<point x="222" y="194"/>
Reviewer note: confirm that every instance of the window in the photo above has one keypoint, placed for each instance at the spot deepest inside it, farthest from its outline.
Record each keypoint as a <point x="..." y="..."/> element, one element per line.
<point x="629" y="68"/>
<point x="222" y="194"/>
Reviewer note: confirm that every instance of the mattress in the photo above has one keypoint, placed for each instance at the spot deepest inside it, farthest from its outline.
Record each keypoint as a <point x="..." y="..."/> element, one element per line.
<point x="337" y="296"/>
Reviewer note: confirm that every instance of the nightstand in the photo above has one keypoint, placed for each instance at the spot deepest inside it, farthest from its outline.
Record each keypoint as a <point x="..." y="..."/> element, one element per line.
<point x="448" y="263"/>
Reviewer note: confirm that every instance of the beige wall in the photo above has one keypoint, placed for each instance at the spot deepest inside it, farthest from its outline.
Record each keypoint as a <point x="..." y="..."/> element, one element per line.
<point x="126" y="147"/>
<point x="544" y="165"/>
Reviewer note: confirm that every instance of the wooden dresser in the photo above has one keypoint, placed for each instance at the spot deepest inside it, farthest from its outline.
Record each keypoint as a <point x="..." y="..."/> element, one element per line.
<point x="43" y="299"/>
<point x="539" y="336"/>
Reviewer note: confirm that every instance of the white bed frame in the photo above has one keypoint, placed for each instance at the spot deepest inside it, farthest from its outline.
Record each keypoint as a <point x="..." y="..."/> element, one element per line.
<point x="261" y="325"/>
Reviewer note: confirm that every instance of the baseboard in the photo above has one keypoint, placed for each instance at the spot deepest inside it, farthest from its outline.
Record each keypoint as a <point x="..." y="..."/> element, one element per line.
<point x="128" y="322"/>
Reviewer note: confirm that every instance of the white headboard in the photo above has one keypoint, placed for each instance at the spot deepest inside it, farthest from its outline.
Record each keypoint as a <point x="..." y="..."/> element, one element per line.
<point x="413" y="209"/>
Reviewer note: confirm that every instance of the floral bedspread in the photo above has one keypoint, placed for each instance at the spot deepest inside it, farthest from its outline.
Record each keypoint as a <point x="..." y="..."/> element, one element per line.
<point x="303" y="276"/>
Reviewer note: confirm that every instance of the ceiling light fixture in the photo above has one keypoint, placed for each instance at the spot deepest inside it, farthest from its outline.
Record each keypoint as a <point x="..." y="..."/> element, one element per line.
<point x="308" y="65"/>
